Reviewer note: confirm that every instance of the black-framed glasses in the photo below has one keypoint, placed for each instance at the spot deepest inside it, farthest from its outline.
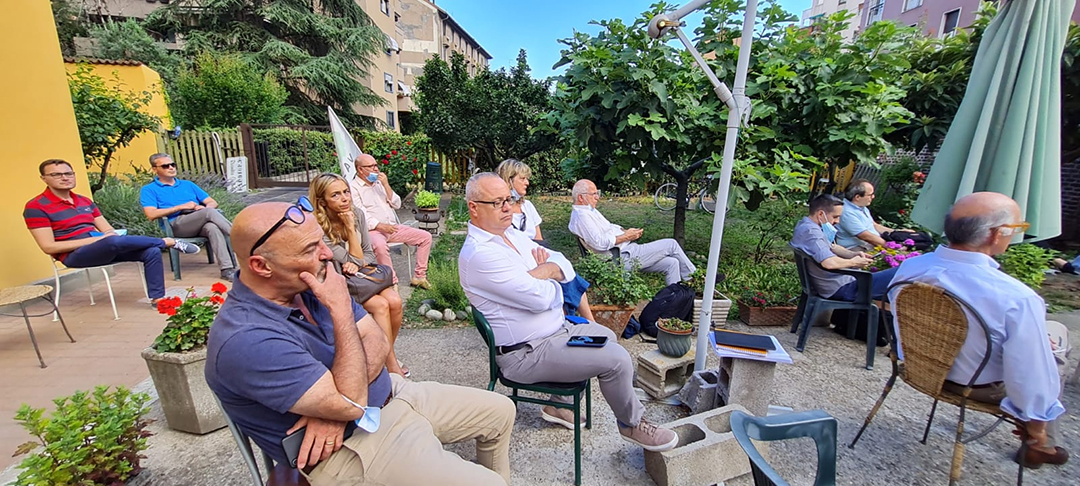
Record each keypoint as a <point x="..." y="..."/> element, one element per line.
<point x="171" y="165"/>
<point x="294" y="213"/>
<point x="61" y="175"/>
<point x="498" y="203"/>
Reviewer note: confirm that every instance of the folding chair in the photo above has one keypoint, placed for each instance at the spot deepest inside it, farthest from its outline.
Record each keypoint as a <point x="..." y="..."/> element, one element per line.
<point x="89" y="285"/>
<point x="562" y="389"/>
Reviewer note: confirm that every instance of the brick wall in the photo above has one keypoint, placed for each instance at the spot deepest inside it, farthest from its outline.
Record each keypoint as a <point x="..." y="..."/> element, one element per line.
<point x="1070" y="201"/>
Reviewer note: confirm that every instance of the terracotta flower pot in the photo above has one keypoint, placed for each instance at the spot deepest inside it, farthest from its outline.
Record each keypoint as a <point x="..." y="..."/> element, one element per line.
<point x="674" y="343"/>
<point x="766" y="316"/>
<point x="614" y="317"/>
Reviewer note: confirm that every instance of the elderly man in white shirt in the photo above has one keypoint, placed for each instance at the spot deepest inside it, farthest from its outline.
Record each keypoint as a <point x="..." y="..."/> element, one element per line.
<point x="1021" y="374"/>
<point x="371" y="193"/>
<point x="514" y="283"/>
<point x="600" y="235"/>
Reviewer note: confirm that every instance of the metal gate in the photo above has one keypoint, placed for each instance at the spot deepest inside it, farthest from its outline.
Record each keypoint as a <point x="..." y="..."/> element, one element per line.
<point x="287" y="155"/>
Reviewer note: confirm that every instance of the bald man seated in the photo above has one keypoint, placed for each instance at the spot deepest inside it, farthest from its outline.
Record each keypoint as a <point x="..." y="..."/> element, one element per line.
<point x="1022" y="375"/>
<point x="290" y="350"/>
<point x="600" y="236"/>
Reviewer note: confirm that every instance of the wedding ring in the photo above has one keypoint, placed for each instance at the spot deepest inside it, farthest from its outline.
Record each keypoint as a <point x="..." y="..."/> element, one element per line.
<point x="329" y="442"/>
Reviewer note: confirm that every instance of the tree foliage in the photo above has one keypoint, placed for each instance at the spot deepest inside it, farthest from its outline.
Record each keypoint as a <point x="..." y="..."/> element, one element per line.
<point x="1070" y="97"/>
<point x="224" y="90"/>
<point x="109" y="117"/>
<point x="68" y="17"/>
<point x="493" y="113"/>
<point x="320" y="54"/>
<point x="128" y="40"/>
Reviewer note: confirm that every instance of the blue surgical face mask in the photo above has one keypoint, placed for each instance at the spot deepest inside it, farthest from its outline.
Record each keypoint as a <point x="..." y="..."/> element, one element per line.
<point x="828" y="229"/>
<point x="372" y="177"/>
<point x="514" y="195"/>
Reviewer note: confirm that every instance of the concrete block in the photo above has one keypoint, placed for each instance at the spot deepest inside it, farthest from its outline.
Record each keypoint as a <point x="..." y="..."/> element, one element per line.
<point x="707" y="452"/>
<point x="663" y="376"/>
<point x="746" y="382"/>
<point x="699" y="392"/>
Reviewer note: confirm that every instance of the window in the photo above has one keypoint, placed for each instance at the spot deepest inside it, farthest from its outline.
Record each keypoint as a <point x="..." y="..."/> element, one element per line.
<point x="390" y="118"/>
<point x="875" y="11"/>
<point x="388" y="82"/>
<point x="384" y="6"/>
<point x="949" y="22"/>
<point x="397" y="17"/>
<point x="910" y="4"/>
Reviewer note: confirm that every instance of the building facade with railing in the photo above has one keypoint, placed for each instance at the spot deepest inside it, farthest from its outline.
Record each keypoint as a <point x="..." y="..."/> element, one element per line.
<point x="937" y="18"/>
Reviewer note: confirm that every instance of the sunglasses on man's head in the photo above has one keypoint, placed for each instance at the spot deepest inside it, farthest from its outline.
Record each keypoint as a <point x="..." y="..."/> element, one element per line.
<point x="294" y="213"/>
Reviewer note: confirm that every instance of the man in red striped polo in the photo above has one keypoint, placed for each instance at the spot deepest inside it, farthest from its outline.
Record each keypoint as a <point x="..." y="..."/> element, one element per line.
<point x="71" y="229"/>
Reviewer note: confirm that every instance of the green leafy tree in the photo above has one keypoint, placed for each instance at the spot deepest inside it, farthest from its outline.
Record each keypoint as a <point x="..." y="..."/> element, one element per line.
<point x="109" y="117"/>
<point x="128" y="40"/>
<point x="224" y="90"/>
<point x="1070" y="97"/>
<point x="493" y="113"/>
<point x="320" y="51"/>
<point x="70" y="23"/>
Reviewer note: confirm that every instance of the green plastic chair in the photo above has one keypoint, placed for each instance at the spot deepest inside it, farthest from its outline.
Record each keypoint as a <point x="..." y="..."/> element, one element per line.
<point x="174" y="254"/>
<point x="547" y="388"/>
<point x="815" y="424"/>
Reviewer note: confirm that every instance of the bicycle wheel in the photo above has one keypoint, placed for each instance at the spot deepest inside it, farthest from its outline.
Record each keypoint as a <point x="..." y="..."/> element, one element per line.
<point x="665" y="196"/>
<point x="707" y="201"/>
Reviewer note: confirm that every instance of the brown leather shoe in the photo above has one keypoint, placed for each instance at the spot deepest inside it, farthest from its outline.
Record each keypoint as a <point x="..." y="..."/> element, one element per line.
<point x="421" y="282"/>
<point x="1034" y="459"/>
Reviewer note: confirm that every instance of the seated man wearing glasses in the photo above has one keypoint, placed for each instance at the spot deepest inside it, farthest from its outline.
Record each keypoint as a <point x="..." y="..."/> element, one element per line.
<point x="189" y="209"/>
<point x="1021" y="375"/>
<point x="514" y="283"/>
<point x="600" y="235"/>
<point x="291" y="349"/>
<point x="71" y="229"/>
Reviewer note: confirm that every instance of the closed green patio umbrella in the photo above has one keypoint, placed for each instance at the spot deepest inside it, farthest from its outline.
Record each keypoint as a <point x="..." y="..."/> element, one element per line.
<point x="1006" y="136"/>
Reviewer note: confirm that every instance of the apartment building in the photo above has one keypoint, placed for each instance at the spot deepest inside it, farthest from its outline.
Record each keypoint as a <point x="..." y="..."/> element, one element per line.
<point x="824" y="8"/>
<point x="938" y="18"/>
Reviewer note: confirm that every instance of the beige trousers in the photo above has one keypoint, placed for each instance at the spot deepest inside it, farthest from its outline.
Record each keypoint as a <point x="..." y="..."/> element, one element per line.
<point x="408" y="447"/>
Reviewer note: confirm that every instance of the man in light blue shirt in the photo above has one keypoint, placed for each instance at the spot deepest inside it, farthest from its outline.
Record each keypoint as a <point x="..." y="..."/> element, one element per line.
<point x="189" y="209"/>
<point x="858" y="230"/>
<point x="1021" y="373"/>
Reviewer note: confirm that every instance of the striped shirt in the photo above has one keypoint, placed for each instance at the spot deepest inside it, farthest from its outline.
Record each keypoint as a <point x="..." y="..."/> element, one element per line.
<point x="68" y="220"/>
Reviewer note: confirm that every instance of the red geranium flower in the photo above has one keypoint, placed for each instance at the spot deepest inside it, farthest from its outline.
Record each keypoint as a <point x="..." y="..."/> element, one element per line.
<point x="217" y="299"/>
<point x="393" y="152"/>
<point x="386" y="162"/>
<point x="219" y="288"/>
<point x="415" y="172"/>
<point x="408" y="142"/>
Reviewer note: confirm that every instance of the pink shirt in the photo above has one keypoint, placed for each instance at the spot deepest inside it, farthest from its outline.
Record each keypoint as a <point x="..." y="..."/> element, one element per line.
<point x="373" y="200"/>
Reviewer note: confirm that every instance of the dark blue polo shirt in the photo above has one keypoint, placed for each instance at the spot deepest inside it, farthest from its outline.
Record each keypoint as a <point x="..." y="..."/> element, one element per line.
<point x="262" y="357"/>
<point x="160" y="196"/>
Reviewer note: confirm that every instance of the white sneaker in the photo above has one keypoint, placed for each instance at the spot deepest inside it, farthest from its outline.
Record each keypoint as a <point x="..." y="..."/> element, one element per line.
<point x="185" y="247"/>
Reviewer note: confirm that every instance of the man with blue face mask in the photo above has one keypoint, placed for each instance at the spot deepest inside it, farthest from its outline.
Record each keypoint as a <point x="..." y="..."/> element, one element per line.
<point x="816" y="235"/>
<point x="371" y="193"/>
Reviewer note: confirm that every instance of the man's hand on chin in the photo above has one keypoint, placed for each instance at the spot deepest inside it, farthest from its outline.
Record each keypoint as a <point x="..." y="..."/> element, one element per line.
<point x="322" y="438"/>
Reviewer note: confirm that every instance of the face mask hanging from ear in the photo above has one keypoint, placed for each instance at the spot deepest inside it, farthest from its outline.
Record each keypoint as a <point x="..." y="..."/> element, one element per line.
<point x="828" y="228"/>
<point x="514" y="195"/>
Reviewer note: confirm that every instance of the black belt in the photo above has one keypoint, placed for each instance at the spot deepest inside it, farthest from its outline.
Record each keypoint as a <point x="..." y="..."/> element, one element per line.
<point x="509" y="349"/>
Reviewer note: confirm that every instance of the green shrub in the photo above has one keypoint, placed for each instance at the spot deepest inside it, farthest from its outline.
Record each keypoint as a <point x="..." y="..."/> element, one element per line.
<point x="446" y="286"/>
<point x="1026" y="263"/>
<point x="403" y="158"/>
<point x="91" y="438"/>
<point x="222" y="90"/>
<point x="611" y="283"/>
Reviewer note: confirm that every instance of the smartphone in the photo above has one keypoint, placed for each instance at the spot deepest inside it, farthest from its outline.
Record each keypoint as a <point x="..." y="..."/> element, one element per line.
<point x="291" y="443"/>
<point x="587" y="341"/>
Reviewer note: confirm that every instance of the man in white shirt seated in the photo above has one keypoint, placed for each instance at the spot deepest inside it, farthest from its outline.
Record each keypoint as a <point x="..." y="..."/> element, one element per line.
<point x="858" y="230"/>
<point x="371" y="193"/>
<point x="600" y="235"/>
<point x="514" y="283"/>
<point x="1021" y="375"/>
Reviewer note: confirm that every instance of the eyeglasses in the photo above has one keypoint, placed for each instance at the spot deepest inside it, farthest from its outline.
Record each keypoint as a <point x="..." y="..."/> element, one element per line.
<point x="61" y="175"/>
<point x="372" y="166"/>
<point x="168" y="166"/>
<point x="1020" y="227"/>
<point x="596" y="193"/>
<point x="498" y="203"/>
<point x="294" y="213"/>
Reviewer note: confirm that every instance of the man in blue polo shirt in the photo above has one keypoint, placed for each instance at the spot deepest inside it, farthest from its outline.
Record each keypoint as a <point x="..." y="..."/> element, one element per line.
<point x="290" y="349"/>
<point x="189" y="209"/>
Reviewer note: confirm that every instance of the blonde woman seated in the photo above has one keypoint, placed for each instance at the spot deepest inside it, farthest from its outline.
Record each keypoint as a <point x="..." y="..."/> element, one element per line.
<point x="346" y="233"/>
<point x="527" y="220"/>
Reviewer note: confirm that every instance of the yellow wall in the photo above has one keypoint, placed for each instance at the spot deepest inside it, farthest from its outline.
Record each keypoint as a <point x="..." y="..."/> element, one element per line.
<point x="136" y="79"/>
<point x="37" y="122"/>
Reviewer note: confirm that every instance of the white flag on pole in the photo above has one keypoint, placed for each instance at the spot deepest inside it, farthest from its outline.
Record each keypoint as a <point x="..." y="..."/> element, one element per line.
<point x="347" y="149"/>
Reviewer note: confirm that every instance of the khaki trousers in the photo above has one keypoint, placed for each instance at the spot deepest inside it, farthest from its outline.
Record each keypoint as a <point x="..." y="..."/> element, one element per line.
<point x="210" y="224"/>
<point x="408" y="447"/>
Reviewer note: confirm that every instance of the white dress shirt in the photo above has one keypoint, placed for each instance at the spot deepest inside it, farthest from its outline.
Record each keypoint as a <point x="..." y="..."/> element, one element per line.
<point x="1016" y="318"/>
<point x="372" y="198"/>
<point x="495" y="277"/>
<point x="594" y="229"/>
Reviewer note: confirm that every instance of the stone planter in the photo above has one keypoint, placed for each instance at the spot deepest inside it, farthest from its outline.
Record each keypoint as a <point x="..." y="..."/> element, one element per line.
<point x="427" y="215"/>
<point x="614" y="317"/>
<point x="673" y="343"/>
<point x="720" y="307"/>
<point x="766" y="316"/>
<point x="186" y="399"/>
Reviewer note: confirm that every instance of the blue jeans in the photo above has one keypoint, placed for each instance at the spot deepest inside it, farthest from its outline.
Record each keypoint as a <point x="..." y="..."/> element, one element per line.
<point x="880" y="284"/>
<point x="125" y="249"/>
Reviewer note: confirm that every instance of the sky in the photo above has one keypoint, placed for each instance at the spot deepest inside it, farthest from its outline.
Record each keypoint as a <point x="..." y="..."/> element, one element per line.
<point x="502" y="27"/>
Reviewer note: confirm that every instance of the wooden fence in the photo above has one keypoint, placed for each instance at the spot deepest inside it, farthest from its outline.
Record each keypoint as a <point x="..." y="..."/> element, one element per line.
<point x="196" y="152"/>
<point x="455" y="168"/>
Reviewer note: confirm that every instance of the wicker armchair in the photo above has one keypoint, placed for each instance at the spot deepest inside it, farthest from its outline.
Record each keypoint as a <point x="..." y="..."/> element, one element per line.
<point x="933" y="328"/>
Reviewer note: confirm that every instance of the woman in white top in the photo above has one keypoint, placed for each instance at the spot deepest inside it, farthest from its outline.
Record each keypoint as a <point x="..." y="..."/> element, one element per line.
<point x="527" y="220"/>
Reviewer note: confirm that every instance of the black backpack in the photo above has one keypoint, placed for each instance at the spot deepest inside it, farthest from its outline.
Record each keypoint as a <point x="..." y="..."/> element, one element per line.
<point x="675" y="300"/>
